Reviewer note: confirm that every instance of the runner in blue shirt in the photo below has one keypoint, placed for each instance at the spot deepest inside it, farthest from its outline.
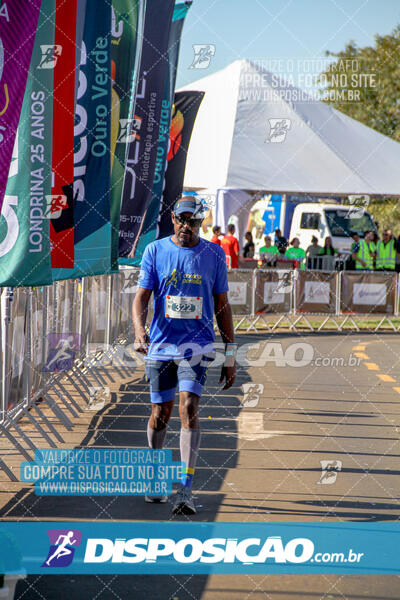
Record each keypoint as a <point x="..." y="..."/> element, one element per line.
<point x="188" y="278"/>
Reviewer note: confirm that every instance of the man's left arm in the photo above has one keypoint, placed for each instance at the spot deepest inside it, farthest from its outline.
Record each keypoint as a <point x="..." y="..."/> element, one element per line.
<point x="223" y="314"/>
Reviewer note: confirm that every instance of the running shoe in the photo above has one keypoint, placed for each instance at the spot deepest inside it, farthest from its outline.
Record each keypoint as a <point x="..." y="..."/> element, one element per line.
<point x="184" y="504"/>
<point x="156" y="499"/>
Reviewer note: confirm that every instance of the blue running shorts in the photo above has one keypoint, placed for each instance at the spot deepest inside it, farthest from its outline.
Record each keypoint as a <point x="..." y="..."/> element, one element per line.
<point x="165" y="375"/>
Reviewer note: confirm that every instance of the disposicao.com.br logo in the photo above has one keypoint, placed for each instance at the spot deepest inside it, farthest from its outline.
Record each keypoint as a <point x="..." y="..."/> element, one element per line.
<point x="216" y="550"/>
<point x="180" y="547"/>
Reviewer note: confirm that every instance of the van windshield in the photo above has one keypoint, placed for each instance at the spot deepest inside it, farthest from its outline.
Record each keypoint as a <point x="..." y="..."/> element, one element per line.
<point x="343" y="221"/>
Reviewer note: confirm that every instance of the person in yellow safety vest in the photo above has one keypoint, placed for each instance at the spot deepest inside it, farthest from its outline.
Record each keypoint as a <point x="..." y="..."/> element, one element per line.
<point x="369" y="237"/>
<point x="361" y="253"/>
<point x="386" y="252"/>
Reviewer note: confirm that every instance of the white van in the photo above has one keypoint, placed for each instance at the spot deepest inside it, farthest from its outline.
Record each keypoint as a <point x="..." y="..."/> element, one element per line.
<point x="329" y="220"/>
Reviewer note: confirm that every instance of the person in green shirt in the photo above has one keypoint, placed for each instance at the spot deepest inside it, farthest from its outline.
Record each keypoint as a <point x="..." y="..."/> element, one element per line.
<point x="328" y="249"/>
<point x="268" y="252"/>
<point x="296" y="253"/>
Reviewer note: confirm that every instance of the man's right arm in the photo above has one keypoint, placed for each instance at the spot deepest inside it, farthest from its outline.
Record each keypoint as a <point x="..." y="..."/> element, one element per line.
<point x="139" y="316"/>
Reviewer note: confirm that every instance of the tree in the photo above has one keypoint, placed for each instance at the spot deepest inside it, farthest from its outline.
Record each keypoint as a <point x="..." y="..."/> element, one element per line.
<point x="364" y="83"/>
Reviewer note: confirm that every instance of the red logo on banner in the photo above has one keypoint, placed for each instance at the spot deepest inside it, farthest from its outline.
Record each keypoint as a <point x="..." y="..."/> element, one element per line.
<point x="175" y="135"/>
<point x="62" y="228"/>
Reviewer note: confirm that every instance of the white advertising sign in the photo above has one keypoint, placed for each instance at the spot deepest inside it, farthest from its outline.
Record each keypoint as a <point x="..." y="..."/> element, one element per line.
<point x="316" y="292"/>
<point x="273" y="293"/>
<point x="237" y="292"/>
<point x="370" y="294"/>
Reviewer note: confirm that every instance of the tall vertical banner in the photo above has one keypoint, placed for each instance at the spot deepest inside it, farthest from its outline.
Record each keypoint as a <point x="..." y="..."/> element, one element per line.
<point x="126" y="39"/>
<point x="91" y="190"/>
<point x="184" y="114"/>
<point x="24" y="223"/>
<point x="142" y="145"/>
<point x="62" y="60"/>
<point x="150" y="224"/>
<point x="18" y="23"/>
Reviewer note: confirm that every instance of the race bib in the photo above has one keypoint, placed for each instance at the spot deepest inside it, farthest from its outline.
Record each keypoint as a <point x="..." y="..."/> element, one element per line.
<point x="184" y="307"/>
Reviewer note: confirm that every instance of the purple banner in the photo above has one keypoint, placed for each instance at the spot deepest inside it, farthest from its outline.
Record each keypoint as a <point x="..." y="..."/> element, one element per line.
<point x="18" y="23"/>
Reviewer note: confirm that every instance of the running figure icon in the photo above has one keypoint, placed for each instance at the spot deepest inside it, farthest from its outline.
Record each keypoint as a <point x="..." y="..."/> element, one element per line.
<point x="65" y="349"/>
<point x="62" y="549"/>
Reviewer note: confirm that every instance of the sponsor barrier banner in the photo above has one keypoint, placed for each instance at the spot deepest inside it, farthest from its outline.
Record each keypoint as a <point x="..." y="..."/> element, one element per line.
<point x="273" y="291"/>
<point x="126" y="35"/>
<point x="60" y="547"/>
<point x="316" y="292"/>
<point x="150" y="226"/>
<point x="61" y="59"/>
<point x="92" y="228"/>
<point x="24" y="223"/>
<point x="142" y="144"/>
<point x="240" y="293"/>
<point x="368" y="292"/>
<point x="18" y="23"/>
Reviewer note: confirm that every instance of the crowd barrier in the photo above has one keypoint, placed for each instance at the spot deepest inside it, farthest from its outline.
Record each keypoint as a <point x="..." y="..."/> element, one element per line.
<point x="52" y="336"/>
<point x="90" y="319"/>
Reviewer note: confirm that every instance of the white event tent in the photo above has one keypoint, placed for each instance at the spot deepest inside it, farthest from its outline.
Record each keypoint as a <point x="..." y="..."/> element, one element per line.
<point x="254" y="131"/>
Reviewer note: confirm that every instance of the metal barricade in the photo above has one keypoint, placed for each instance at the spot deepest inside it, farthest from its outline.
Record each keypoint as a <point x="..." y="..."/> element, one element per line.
<point x="273" y="291"/>
<point x="316" y="292"/>
<point x="96" y="300"/>
<point x="17" y="364"/>
<point x="39" y="330"/>
<point x="123" y="300"/>
<point x="368" y="293"/>
<point x="320" y="263"/>
<point x="240" y="295"/>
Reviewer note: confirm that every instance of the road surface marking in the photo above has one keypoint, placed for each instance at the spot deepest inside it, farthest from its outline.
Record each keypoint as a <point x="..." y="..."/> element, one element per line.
<point x="251" y="427"/>
<point x="372" y="366"/>
<point x="386" y="377"/>
<point x="361" y="355"/>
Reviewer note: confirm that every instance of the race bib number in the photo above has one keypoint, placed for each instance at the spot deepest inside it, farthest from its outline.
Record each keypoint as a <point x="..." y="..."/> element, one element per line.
<point x="184" y="307"/>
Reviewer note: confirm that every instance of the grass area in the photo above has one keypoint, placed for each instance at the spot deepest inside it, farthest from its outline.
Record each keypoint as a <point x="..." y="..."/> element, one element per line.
<point x="366" y="323"/>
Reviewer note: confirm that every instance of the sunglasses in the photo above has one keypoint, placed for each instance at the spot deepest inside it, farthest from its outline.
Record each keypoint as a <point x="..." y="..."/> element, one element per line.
<point x="192" y="222"/>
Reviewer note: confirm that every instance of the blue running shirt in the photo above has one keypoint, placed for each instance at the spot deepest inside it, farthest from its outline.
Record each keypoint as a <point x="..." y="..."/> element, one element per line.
<point x="183" y="281"/>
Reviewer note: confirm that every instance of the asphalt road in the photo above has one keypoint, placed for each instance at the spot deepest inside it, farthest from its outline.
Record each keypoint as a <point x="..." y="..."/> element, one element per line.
<point x="308" y="433"/>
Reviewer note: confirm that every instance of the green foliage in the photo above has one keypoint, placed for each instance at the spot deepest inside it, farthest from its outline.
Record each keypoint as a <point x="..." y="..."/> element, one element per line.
<point x="387" y="212"/>
<point x="364" y="83"/>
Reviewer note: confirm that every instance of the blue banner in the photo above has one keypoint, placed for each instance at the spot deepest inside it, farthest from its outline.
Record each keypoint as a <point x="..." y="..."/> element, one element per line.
<point x="184" y="114"/>
<point x="142" y="147"/>
<point x="92" y="227"/>
<point x="150" y="225"/>
<point x="196" y="548"/>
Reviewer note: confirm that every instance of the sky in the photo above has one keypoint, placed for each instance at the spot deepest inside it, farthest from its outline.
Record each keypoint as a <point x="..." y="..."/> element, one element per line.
<point x="287" y="35"/>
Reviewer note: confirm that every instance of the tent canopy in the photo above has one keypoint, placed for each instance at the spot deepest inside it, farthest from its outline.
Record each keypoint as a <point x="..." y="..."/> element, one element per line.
<point x="254" y="131"/>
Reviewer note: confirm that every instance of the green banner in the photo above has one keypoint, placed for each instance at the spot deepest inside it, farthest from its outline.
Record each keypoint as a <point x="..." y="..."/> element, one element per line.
<point x="24" y="222"/>
<point x="126" y="33"/>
